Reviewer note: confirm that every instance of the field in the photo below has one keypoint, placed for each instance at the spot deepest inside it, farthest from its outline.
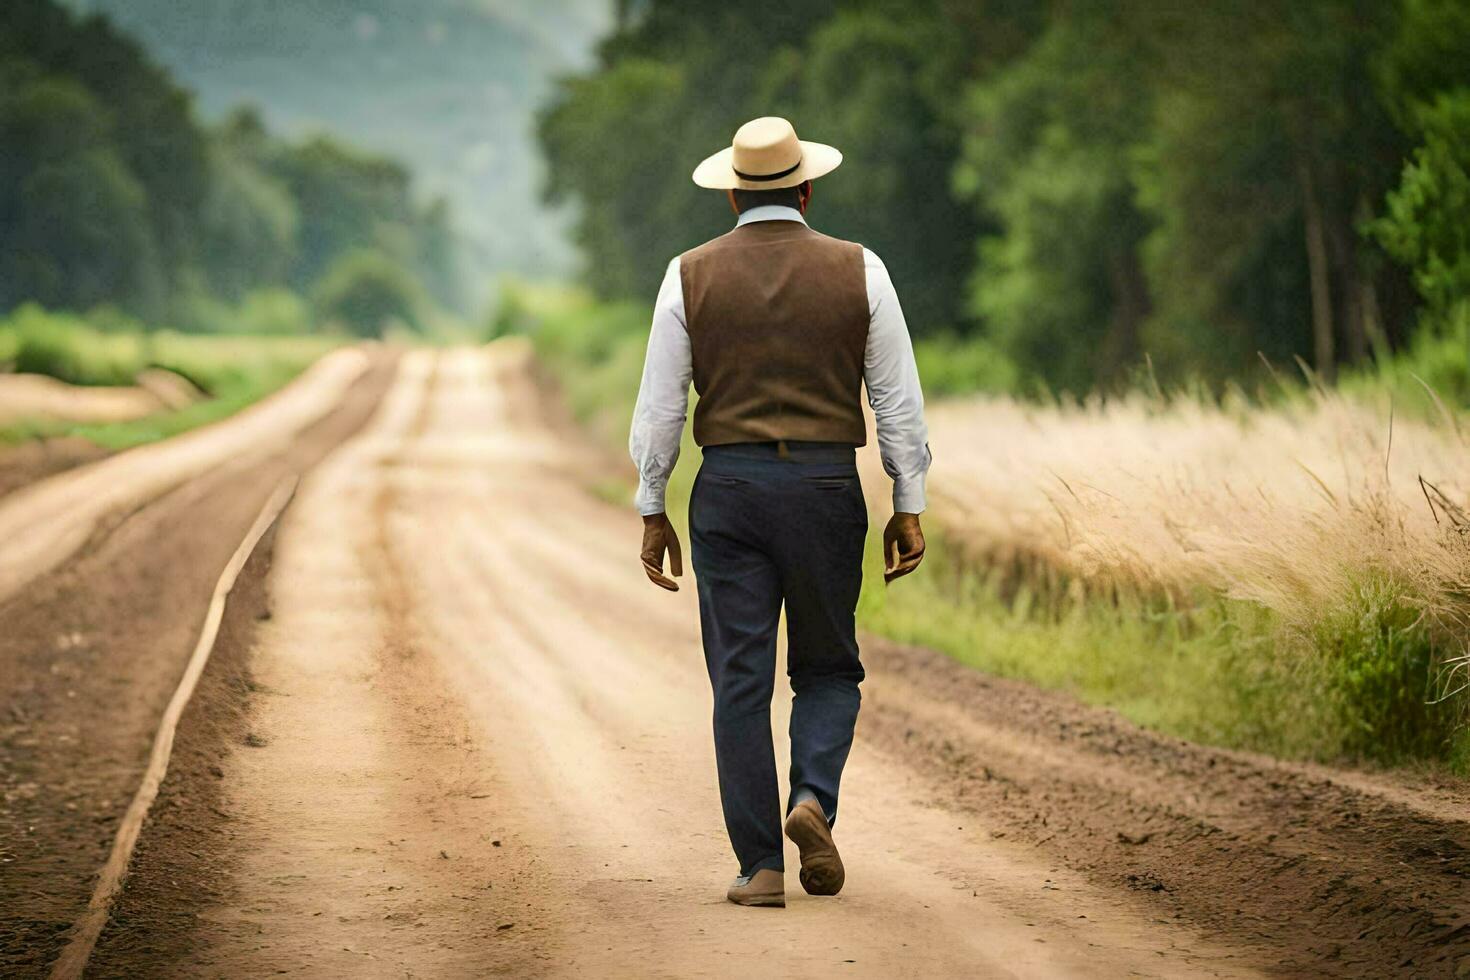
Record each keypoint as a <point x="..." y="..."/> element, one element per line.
<point x="1283" y="571"/>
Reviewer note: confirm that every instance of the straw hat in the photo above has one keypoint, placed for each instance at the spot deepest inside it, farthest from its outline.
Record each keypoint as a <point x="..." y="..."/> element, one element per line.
<point x="766" y="155"/>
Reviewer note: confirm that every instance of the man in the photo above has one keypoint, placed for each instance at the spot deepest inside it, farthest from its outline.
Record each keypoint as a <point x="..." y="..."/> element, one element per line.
<point x="779" y="327"/>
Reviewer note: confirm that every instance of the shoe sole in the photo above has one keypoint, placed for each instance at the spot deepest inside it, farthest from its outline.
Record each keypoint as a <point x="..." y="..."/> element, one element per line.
<point x="821" y="867"/>
<point x="761" y="901"/>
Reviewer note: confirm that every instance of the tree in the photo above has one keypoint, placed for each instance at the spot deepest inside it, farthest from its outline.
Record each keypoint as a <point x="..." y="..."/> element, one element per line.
<point x="249" y="226"/>
<point x="1272" y="147"/>
<point x="895" y="195"/>
<point x="150" y="123"/>
<point x="1049" y="155"/>
<point x="367" y="292"/>
<point x="112" y="192"/>
<point x="1426" y="225"/>
<point x="73" y="217"/>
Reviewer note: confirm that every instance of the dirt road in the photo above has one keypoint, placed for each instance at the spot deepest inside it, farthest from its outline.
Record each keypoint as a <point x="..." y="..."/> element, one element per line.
<point x="452" y="731"/>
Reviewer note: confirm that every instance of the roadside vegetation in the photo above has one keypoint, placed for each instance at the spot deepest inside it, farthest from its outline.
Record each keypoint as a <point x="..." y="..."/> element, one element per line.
<point x="1261" y="571"/>
<point x="229" y="371"/>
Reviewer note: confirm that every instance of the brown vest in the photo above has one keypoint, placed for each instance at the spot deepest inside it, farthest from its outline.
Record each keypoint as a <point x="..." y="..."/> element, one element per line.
<point x="778" y="323"/>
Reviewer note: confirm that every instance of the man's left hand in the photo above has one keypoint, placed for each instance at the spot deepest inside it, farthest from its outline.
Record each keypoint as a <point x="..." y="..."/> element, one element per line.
<point x="903" y="546"/>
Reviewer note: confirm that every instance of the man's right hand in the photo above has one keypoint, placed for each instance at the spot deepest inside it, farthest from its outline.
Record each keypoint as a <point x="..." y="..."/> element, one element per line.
<point x="658" y="537"/>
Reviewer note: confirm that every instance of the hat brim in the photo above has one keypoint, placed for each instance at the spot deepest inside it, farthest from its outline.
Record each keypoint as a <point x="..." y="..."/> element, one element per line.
<point x="717" y="172"/>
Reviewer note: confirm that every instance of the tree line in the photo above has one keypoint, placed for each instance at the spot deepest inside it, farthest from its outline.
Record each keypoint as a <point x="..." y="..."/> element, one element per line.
<point x="1083" y="183"/>
<point x="113" y="193"/>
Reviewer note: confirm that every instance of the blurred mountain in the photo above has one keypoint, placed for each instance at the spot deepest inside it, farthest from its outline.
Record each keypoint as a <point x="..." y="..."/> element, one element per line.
<point x="450" y="87"/>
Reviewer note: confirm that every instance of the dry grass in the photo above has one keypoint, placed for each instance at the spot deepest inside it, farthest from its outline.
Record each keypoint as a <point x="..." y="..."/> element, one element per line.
<point x="1300" y="508"/>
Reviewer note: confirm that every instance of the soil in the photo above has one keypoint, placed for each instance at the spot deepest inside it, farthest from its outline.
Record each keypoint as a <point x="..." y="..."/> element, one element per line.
<point x="452" y="730"/>
<point x="36" y="459"/>
<point x="1324" y="872"/>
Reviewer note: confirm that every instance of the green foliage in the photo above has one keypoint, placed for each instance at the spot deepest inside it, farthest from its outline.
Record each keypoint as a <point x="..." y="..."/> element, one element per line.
<point x="67" y="348"/>
<point x="447" y="86"/>
<point x="112" y="192"/>
<point x="73" y="217"/>
<point x="953" y="365"/>
<point x="1425" y="57"/>
<point x="897" y="198"/>
<point x="674" y="83"/>
<point x="105" y="166"/>
<point x="1049" y="154"/>
<point x="595" y="350"/>
<point x="1425" y="226"/>
<point x="250" y="225"/>
<point x="367" y="293"/>
<point x="1432" y="372"/>
<point x="108" y="348"/>
<point x="1209" y="674"/>
<point x="1221" y="671"/>
<point x="614" y="131"/>
<point x="264" y="311"/>
<point x="524" y="308"/>
<point x="1382" y="664"/>
<point x="273" y="311"/>
<point x="1082" y="183"/>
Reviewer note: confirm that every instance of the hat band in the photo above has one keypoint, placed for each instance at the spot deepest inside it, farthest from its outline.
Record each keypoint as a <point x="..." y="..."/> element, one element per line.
<point x="758" y="178"/>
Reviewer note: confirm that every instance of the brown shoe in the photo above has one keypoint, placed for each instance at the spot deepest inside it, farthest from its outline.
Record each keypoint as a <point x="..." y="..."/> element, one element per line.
<point x="766" y="887"/>
<point x="821" y="866"/>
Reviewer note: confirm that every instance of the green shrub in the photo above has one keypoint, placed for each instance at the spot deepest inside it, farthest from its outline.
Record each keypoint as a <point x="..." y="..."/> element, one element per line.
<point x="233" y="371"/>
<point x="1429" y="376"/>
<point x="1381" y="665"/>
<point x="263" y="312"/>
<point x="65" y="347"/>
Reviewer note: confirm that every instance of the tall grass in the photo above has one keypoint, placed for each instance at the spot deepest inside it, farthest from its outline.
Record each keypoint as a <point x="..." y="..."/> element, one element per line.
<point x="1345" y="526"/>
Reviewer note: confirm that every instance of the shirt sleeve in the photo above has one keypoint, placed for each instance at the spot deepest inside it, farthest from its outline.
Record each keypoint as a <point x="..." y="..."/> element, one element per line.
<point x="892" y="379"/>
<point x="663" y="396"/>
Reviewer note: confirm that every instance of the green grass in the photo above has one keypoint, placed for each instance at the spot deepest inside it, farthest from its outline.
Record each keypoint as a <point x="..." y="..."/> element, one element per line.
<point x="232" y="371"/>
<point x="1214" y="670"/>
<point x="1356" y="684"/>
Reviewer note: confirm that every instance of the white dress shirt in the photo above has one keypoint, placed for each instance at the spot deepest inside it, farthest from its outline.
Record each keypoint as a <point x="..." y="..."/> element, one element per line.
<point x="889" y="374"/>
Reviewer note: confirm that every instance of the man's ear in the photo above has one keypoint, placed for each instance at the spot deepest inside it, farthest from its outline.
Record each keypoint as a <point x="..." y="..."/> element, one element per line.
<point x="805" y="193"/>
<point x="733" y="206"/>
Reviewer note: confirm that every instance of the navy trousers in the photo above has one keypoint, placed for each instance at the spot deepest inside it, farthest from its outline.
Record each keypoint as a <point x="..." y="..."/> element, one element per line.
<point x="771" y="524"/>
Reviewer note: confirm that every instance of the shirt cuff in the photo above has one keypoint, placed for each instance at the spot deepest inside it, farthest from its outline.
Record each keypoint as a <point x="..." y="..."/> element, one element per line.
<point x="650" y="498"/>
<point x="908" y="495"/>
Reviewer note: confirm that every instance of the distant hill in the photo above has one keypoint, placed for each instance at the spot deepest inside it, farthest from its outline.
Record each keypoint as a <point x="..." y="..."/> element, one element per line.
<point x="448" y="86"/>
